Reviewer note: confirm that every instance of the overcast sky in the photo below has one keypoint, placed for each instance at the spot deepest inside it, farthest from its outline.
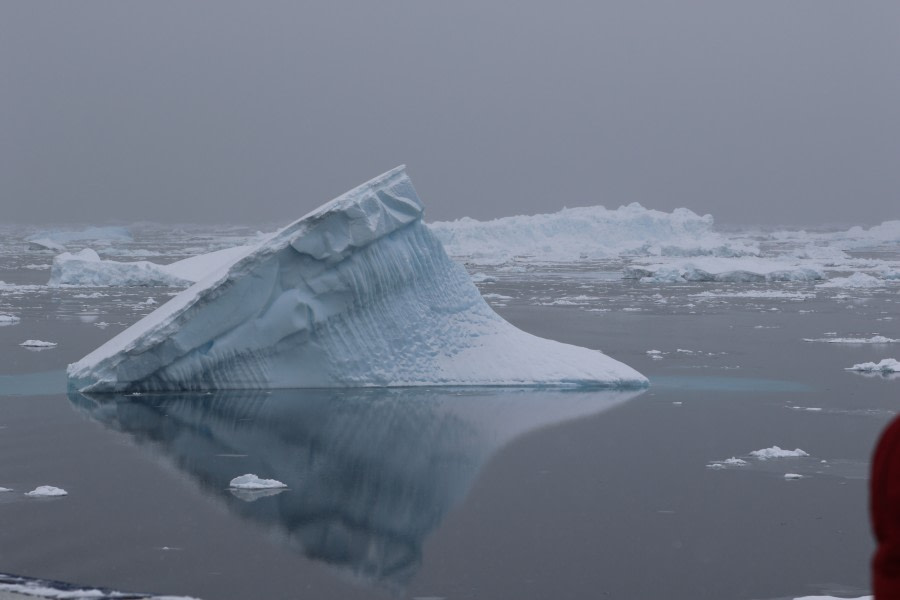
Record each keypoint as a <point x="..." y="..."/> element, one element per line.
<point x="762" y="112"/>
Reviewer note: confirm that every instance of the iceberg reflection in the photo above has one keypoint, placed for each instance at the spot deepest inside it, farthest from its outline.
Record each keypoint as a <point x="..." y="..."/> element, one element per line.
<point x="370" y="473"/>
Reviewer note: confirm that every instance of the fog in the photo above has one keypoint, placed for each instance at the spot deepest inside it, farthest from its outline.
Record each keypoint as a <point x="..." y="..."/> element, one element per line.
<point x="757" y="112"/>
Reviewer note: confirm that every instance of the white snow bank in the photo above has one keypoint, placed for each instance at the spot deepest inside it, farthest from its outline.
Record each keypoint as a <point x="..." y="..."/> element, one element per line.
<point x="7" y="319"/>
<point x="87" y="269"/>
<point x="857" y="280"/>
<point x="887" y="365"/>
<point x="357" y="293"/>
<point x="588" y="232"/>
<point x="252" y="482"/>
<point x="875" y="339"/>
<point x="776" y="452"/>
<point x="46" y="491"/>
<point x="37" y="344"/>
<point x="735" y="270"/>
<point x="107" y="234"/>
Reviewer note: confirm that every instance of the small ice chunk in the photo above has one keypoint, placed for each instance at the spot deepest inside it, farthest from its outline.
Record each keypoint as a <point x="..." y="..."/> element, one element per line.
<point x="886" y="365"/>
<point x="876" y="339"/>
<point x="857" y="280"/>
<point x="37" y="344"/>
<point x="252" y="482"/>
<point x="736" y="462"/>
<point x="3" y="489"/>
<point x="776" y="452"/>
<point x="793" y="476"/>
<point x="46" y="491"/>
<point x="654" y="352"/>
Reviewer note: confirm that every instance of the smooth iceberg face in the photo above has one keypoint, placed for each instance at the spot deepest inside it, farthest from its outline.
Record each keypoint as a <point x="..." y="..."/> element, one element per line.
<point x="357" y="293"/>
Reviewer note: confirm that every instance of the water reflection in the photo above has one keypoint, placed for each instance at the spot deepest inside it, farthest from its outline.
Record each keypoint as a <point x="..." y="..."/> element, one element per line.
<point x="370" y="473"/>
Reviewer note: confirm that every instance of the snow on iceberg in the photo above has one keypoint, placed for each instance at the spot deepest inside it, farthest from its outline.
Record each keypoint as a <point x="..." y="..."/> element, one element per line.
<point x="887" y="365"/>
<point x="588" y="232"/>
<point x="357" y="293"/>
<point x="87" y="269"/>
<point x="734" y="270"/>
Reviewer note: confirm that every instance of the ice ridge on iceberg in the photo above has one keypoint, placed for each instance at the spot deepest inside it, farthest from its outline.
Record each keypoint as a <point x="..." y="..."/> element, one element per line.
<point x="357" y="293"/>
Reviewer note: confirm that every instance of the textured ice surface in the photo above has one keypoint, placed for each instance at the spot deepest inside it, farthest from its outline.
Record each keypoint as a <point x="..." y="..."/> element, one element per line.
<point x="87" y="269"/>
<point x="357" y="293"/>
<point x="588" y="232"/>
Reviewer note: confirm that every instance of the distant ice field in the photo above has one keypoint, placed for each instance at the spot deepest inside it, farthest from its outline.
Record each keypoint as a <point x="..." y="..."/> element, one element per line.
<point x="455" y="493"/>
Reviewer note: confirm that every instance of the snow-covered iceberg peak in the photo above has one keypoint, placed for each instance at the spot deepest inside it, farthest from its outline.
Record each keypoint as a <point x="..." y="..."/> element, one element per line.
<point x="357" y="293"/>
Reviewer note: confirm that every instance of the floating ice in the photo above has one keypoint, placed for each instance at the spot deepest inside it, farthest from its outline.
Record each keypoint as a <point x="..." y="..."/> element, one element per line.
<point x="588" y="232"/>
<point x="733" y="270"/>
<point x="44" y="245"/>
<point x="790" y="476"/>
<point x="37" y="344"/>
<point x="87" y="269"/>
<point x="887" y="365"/>
<point x="3" y="489"/>
<point x="107" y="234"/>
<point x="7" y="319"/>
<point x="252" y="482"/>
<point x="832" y="598"/>
<point x="857" y="280"/>
<point x="776" y="452"/>
<point x="875" y="339"/>
<point x="357" y="293"/>
<point x="46" y="491"/>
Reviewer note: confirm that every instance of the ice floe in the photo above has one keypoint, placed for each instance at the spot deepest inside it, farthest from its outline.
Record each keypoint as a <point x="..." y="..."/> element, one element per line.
<point x="857" y="280"/>
<point x="102" y="234"/>
<point x="357" y="293"/>
<point x="887" y="365"/>
<point x="38" y="344"/>
<point x="731" y="270"/>
<point x="252" y="482"/>
<point x="776" y="452"/>
<point x="43" y="491"/>
<point x="790" y="476"/>
<point x="875" y="339"/>
<point x="7" y="319"/>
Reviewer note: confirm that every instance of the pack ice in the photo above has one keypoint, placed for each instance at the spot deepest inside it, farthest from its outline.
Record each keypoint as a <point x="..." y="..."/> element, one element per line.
<point x="357" y="293"/>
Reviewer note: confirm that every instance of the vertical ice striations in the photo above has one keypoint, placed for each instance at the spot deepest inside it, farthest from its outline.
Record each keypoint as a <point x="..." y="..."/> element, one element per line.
<point x="357" y="293"/>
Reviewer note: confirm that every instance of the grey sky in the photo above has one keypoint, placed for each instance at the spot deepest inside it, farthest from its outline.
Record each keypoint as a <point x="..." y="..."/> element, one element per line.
<point x="772" y="112"/>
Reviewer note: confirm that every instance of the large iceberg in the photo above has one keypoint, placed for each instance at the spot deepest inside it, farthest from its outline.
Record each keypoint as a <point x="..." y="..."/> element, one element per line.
<point x="357" y="293"/>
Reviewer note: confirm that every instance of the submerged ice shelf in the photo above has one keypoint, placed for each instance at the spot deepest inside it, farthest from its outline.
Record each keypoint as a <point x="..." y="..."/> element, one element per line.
<point x="357" y="293"/>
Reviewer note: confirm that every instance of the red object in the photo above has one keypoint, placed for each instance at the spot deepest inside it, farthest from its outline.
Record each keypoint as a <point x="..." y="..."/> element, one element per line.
<point x="884" y="508"/>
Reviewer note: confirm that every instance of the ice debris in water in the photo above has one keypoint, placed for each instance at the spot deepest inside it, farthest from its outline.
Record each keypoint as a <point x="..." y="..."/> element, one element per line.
<point x="7" y="319"/>
<point x="252" y="482"/>
<point x="87" y="269"/>
<point x="793" y="476"/>
<point x="776" y="452"/>
<point x="735" y="270"/>
<point x="3" y="489"/>
<point x="887" y="365"/>
<point x="357" y="293"/>
<point x="875" y="339"/>
<point x="46" y="491"/>
<point x="37" y="344"/>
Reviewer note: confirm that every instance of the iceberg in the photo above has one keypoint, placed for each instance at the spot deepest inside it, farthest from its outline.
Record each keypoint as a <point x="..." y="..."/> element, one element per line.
<point x="358" y="293"/>
<point x="87" y="269"/>
<point x="724" y="270"/>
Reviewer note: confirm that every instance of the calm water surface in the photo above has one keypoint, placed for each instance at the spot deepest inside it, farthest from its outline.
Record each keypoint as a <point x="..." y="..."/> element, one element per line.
<point x="526" y="494"/>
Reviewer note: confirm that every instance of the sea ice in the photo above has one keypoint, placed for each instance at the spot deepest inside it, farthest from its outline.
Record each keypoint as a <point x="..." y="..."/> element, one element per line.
<point x="46" y="491"/>
<point x="108" y="234"/>
<point x="3" y="489"/>
<point x="875" y="339"/>
<point x="37" y="344"/>
<point x="357" y="293"/>
<point x="887" y="365"/>
<point x="793" y="476"/>
<point x="776" y="452"/>
<point x="857" y="280"/>
<point x="252" y="482"/>
<point x="7" y="319"/>
<point x="731" y="270"/>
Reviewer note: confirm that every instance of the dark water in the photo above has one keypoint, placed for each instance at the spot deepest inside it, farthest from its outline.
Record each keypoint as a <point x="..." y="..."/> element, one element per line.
<point x="465" y="493"/>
